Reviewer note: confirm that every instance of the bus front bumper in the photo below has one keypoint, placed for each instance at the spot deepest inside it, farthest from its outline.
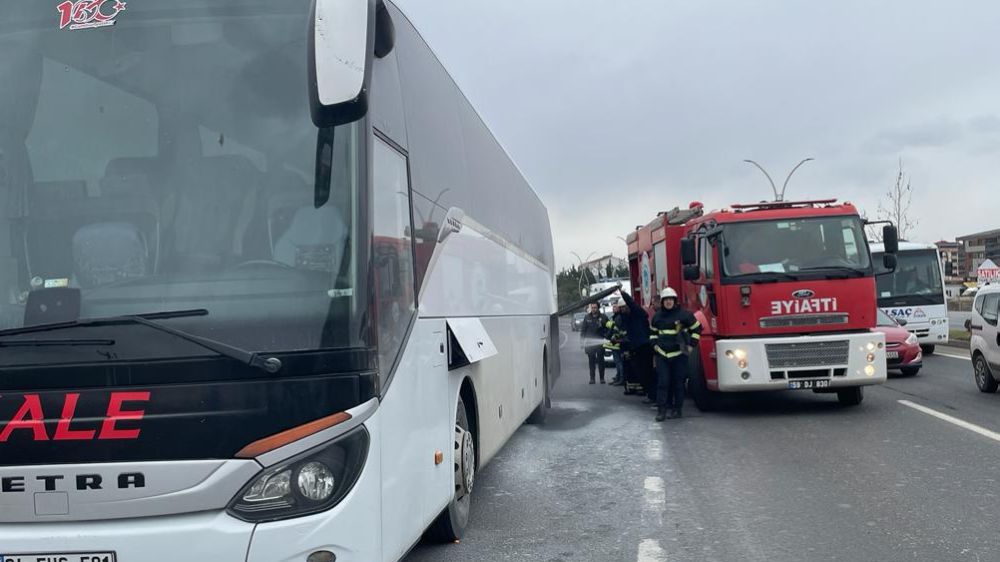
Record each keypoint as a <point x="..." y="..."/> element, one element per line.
<point x="351" y="530"/>
<point x="817" y="362"/>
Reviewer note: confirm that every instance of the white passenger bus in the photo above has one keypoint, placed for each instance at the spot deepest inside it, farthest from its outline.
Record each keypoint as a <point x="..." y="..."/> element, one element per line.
<point x="270" y="290"/>
<point x="914" y="292"/>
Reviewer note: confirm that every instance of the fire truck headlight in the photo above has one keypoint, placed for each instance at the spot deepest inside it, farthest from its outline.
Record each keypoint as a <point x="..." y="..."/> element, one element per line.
<point x="742" y="363"/>
<point x="871" y="346"/>
<point x="870" y="370"/>
<point x="871" y="358"/>
<point x="311" y="482"/>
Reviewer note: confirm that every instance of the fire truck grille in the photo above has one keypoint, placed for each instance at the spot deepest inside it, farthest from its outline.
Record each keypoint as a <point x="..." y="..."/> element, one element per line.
<point x="812" y="354"/>
<point x="803" y="320"/>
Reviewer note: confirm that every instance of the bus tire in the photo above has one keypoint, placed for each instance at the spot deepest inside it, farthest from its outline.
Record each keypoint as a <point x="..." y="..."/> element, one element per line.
<point x="704" y="399"/>
<point x="851" y="396"/>
<point x="539" y="414"/>
<point x="450" y="525"/>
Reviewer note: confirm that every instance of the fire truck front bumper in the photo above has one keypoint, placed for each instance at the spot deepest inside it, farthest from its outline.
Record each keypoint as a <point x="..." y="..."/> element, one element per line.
<point x="817" y="362"/>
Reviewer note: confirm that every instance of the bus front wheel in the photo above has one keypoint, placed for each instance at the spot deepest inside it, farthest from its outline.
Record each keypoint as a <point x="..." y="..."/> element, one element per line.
<point x="451" y="524"/>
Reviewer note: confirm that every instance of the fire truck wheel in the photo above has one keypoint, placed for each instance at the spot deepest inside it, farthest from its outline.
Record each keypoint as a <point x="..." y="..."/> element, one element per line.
<point x="706" y="400"/>
<point x="851" y="396"/>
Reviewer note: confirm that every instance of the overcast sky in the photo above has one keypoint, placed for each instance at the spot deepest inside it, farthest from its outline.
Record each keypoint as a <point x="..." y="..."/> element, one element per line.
<point x="616" y="109"/>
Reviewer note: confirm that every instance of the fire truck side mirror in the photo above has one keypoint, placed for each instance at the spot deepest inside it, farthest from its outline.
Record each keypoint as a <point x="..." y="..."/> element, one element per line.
<point x="689" y="255"/>
<point x="691" y="272"/>
<point x="890" y="239"/>
<point x="889" y="262"/>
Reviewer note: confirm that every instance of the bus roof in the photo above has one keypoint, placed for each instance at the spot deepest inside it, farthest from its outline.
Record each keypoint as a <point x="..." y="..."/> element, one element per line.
<point x="878" y="247"/>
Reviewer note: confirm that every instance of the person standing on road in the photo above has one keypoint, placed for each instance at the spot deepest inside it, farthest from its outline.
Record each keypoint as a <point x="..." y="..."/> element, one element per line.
<point x="676" y="330"/>
<point x="638" y="351"/>
<point x="616" y="337"/>
<point x="592" y="335"/>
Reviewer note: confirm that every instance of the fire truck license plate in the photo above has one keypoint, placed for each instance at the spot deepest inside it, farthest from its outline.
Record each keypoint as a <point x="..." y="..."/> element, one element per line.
<point x="799" y="385"/>
<point x="60" y="557"/>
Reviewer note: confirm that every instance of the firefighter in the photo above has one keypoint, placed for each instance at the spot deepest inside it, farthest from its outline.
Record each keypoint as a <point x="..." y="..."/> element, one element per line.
<point x="592" y="335"/>
<point x="616" y="335"/>
<point x="637" y="351"/>
<point x="676" y="331"/>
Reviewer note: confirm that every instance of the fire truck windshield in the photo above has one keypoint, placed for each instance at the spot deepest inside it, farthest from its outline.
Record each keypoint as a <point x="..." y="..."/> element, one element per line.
<point x="162" y="157"/>
<point x="792" y="248"/>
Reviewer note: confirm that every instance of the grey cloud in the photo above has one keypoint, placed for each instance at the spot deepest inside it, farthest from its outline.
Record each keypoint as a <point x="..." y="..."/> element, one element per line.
<point x="985" y="124"/>
<point x="640" y="105"/>
<point x="933" y="134"/>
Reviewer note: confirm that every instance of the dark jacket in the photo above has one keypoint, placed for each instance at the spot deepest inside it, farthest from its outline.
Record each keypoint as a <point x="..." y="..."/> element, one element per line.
<point x="675" y="329"/>
<point x="636" y="324"/>
<point x="593" y="326"/>
<point x="615" y="332"/>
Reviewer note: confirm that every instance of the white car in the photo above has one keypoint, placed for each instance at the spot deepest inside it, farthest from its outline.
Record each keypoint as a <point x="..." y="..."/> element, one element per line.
<point x="985" y="341"/>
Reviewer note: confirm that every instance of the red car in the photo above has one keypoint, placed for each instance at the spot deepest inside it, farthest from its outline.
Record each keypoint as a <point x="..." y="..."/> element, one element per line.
<point x="902" y="349"/>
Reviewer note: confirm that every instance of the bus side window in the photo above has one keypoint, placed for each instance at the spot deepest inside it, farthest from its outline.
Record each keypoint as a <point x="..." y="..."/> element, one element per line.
<point x="392" y="251"/>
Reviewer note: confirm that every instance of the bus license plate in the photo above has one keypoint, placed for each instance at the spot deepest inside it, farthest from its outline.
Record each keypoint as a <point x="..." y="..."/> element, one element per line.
<point x="60" y="557"/>
<point x="800" y="385"/>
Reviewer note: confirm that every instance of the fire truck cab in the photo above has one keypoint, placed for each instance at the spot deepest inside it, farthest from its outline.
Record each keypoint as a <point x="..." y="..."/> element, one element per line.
<point x="784" y="290"/>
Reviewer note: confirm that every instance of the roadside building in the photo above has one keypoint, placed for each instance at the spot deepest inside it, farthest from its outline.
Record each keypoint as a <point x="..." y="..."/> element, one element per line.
<point x="599" y="267"/>
<point x="974" y="249"/>
<point x="949" y="261"/>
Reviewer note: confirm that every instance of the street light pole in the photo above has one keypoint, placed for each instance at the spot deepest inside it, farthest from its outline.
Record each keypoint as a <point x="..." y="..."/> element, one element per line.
<point x="768" y="176"/>
<point x="785" y="185"/>
<point x="778" y="197"/>
<point x="579" y="283"/>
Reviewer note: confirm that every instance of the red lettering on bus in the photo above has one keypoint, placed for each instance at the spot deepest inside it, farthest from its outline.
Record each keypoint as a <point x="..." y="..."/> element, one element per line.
<point x="117" y="414"/>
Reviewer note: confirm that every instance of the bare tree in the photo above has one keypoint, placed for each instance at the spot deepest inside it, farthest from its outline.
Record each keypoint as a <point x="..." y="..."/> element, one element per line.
<point x="896" y="205"/>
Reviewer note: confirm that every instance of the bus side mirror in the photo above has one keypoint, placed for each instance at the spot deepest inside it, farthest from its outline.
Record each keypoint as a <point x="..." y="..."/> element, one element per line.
<point x="889" y="262"/>
<point x="688" y="254"/>
<point x="890" y="239"/>
<point x="691" y="273"/>
<point x="341" y="48"/>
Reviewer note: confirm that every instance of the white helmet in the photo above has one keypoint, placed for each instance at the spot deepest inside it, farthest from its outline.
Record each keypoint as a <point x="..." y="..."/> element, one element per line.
<point x="668" y="293"/>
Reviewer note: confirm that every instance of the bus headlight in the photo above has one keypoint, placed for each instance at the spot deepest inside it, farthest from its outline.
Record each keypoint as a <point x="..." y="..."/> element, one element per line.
<point x="312" y="482"/>
<point x="316" y="482"/>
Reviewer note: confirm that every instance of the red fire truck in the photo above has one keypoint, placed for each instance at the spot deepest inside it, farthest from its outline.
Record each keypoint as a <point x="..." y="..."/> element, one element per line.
<point x="784" y="290"/>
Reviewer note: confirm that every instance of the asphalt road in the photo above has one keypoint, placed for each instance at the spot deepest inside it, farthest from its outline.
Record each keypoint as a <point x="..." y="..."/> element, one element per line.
<point x="788" y="476"/>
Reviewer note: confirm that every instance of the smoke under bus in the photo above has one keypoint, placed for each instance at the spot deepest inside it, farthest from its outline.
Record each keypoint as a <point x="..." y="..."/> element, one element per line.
<point x="269" y="288"/>
<point x="914" y="292"/>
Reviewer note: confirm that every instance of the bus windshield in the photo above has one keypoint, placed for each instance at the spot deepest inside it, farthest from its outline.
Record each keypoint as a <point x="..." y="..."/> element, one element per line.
<point x="916" y="280"/>
<point x="162" y="157"/>
<point x="794" y="247"/>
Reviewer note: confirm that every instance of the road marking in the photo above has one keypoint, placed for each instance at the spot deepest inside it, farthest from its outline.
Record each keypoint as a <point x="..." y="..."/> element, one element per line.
<point x="952" y="356"/>
<point x="654" y="450"/>
<point x="650" y="551"/>
<point x="563" y="339"/>
<point x="953" y="420"/>
<point x="656" y="497"/>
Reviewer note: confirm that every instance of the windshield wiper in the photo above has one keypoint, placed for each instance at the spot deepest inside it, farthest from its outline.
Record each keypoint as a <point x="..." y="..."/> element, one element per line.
<point x="56" y="343"/>
<point x="766" y="276"/>
<point x="837" y="268"/>
<point x="269" y="364"/>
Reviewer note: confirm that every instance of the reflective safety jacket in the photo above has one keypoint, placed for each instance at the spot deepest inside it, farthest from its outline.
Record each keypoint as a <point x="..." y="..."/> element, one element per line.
<point x="614" y="330"/>
<point x="674" y="330"/>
